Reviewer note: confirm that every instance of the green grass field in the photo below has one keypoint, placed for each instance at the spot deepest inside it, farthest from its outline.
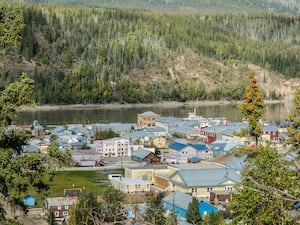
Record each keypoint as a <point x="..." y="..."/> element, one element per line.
<point x="89" y="181"/>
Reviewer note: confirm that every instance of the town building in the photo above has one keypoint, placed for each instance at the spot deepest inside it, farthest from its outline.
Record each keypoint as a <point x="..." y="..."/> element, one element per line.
<point x="179" y="202"/>
<point x="60" y="207"/>
<point x="181" y="153"/>
<point x="145" y="157"/>
<point x="147" y="119"/>
<point x="130" y="185"/>
<point x="114" y="147"/>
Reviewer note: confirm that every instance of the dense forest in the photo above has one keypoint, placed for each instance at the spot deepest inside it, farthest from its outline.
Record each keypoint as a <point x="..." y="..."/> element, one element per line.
<point x="185" y="6"/>
<point x="85" y="55"/>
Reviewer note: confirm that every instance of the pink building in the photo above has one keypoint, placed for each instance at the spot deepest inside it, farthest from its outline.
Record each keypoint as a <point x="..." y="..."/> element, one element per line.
<point x="114" y="147"/>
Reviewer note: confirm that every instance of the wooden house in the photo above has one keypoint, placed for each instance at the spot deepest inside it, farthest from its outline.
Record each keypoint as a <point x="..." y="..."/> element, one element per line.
<point x="60" y="207"/>
<point x="145" y="156"/>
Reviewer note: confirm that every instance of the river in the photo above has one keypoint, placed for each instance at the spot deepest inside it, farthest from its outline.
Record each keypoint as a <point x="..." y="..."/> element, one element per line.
<point x="89" y="115"/>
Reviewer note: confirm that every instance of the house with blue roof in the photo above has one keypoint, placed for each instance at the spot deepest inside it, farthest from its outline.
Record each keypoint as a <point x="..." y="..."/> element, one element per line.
<point x="179" y="202"/>
<point x="61" y="130"/>
<point x="220" y="148"/>
<point x="181" y="153"/>
<point x="71" y="141"/>
<point x="80" y="130"/>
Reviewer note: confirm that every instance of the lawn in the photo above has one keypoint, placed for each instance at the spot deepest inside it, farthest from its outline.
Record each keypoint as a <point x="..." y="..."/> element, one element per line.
<point x="89" y="181"/>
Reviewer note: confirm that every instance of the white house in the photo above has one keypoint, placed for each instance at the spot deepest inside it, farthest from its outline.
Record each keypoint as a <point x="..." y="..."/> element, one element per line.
<point x="181" y="153"/>
<point x="114" y="147"/>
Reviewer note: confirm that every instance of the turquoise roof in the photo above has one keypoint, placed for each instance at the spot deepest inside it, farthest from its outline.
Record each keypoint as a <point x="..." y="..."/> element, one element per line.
<point x="179" y="146"/>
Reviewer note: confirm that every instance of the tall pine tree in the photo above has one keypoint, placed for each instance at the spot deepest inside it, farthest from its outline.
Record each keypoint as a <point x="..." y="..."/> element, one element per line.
<point x="193" y="214"/>
<point x="253" y="107"/>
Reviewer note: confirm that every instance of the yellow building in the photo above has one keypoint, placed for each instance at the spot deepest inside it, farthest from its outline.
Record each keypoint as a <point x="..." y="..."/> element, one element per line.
<point x="147" y="119"/>
<point x="146" y="173"/>
<point x="197" y="179"/>
<point x="130" y="185"/>
<point x="160" y="142"/>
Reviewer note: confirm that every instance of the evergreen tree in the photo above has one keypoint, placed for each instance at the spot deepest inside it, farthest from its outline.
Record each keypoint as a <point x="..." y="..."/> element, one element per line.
<point x="59" y="157"/>
<point x="193" y="214"/>
<point x="13" y="138"/>
<point x="293" y="129"/>
<point x="253" y="107"/>
<point x="14" y="96"/>
<point x="213" y="219"/>
<point x="268" y="190"/>
<point x="172" y="219"/>
<point x="154" y="213"/>
<point x="11" y="26"/>
<point x="105" y="134"/>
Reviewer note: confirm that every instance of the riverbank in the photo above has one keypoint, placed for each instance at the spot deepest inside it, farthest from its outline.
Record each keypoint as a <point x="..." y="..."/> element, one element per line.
<point x="167" y="104"/>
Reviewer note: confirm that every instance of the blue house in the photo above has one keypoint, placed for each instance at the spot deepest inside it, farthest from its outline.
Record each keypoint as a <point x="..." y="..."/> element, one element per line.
<point x="29" y="200"/>
<point x="180" y="202"/>
<point x="179" y="152"/>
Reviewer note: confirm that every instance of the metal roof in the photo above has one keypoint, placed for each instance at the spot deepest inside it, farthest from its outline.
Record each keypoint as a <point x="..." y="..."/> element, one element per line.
<point x="200" y="147"/>
<point x="179" y="146"/>
<point x="61" y="201"/>
<point x="179" y="199"/>
<point x="208" y="177"/>
<point x="149" y="113"/>
<point x="269" y="128"/>
<point x="140" y="153"/>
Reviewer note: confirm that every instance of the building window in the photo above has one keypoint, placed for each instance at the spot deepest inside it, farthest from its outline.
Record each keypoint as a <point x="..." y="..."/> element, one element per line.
<point x="209" y="189"/>
<point x="137" y="187"/>
<point x="56" y="214"/>
<point x="59" y="207"/>
<point x="194" y="190"/>
<point x="66" y="207"/>
<point x="228" y="188"/>
<point x="65" y="213"/>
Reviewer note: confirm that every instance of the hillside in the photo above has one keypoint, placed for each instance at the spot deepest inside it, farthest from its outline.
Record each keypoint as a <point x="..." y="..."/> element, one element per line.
<point x="186" y="6"/>
<point x="82" y="55"/>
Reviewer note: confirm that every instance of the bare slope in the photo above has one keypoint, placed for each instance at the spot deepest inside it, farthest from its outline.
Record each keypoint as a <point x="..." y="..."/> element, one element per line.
<point x="193" y="70"/>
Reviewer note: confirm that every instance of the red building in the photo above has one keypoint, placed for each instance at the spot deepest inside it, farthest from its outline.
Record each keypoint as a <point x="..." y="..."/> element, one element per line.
<point x="60" y="207"/>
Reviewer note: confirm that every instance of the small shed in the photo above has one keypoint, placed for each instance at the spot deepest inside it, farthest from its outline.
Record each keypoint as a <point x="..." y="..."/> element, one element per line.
<point x="29" y="200"/>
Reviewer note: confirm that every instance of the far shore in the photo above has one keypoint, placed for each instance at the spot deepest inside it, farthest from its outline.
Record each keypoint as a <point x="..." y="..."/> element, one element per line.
<point x="166" y="104"/>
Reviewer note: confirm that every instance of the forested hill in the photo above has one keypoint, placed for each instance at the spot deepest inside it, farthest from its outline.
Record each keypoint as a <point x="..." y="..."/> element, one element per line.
<point x="84" y="55"/>
<point x="186" y="6"/>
